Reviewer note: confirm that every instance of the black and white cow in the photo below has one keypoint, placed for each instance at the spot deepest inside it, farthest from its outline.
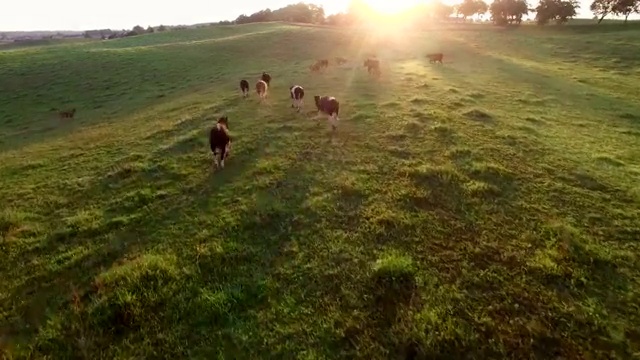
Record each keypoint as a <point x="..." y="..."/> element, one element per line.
<point x="329" y="106"/>
<point x="297" y="96"/>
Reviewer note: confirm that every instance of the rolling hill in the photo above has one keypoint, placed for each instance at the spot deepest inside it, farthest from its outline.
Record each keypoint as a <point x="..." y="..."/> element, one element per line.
<point x="485" y="208"/>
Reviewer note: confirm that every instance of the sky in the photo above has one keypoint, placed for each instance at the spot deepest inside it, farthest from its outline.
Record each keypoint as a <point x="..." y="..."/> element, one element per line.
<point x="124" y="14"/>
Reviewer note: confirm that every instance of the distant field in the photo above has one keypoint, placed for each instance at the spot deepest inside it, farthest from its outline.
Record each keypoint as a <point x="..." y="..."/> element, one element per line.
<point x="487" y="208"/>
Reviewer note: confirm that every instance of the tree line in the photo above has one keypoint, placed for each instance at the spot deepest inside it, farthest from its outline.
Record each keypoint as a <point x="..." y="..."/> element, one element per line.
<point x="106" y="34"/>
<point x="501" y="12"/>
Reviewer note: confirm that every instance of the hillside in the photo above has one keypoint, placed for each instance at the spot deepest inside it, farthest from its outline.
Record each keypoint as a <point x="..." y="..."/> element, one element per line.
<point x="486" y="208"/>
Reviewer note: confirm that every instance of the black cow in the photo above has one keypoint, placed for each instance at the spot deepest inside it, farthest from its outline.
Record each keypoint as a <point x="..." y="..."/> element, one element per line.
<point x="266" y="78"/>
<point x="244" y="87"/>
<point x="220" y="141"/>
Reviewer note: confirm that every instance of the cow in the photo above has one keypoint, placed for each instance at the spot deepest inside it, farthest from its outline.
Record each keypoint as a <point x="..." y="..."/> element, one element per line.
<point x="373" y="66"/>
<point x="244" y="87"/>
<point x="266" y="78"/>
<point x="65" y="114"/>
<point x="220" y="141"/>
<point x="435" y="58"/>
<point x="328" y="105"/>
<point x="340" y="60"/>
<point x="319" y="65"/>
<point x="261" y="88"/>
<point x="297" y="96"/>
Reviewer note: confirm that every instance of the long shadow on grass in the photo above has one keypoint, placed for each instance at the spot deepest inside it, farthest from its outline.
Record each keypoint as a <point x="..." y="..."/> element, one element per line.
<point x="573" y="273"/>
<point x="236" y="256"/>
<point x="547" y="83"/>
<point x="244" y="266"/>
<point x="477" y="246"/>
<point x="125" y="232"/>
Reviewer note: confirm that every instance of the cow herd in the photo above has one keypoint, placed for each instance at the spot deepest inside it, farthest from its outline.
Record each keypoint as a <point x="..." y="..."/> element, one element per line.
<point x="219" y="138"/>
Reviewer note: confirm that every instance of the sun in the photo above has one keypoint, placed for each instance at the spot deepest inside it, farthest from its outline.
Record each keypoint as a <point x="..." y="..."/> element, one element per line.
<point x="392" y="7"/>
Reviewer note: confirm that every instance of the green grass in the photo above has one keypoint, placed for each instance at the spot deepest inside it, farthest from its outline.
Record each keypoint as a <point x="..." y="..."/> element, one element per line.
<point x="487" y="208"/>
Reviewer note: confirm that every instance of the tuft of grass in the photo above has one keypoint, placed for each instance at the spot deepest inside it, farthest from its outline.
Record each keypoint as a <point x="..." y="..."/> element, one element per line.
<point x="15" y="224"/>
<point x="478" y="115"/>
<point x="481" y="189"/>
<point x="394" y="266"/>
<point x="609" y="160"/>
<point x="394" y="277"/>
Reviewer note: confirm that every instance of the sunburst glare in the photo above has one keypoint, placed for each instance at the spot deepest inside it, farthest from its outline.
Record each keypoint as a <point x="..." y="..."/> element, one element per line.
<point x="392" y="7"/>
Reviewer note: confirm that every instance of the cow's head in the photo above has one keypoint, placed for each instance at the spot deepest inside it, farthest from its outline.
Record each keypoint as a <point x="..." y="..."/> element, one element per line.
<point x="224" y="120"/>
<point x="316" y="99"/>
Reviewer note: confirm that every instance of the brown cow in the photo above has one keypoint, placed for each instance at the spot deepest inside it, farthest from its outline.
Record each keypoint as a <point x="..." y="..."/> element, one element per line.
<point x="261" y="89"/>
<point x="435" y="58"/>
<point x="340" y="60"/>
<point x="319" y="65"/>
<point x="373" y="66"/>
<point x="65" y="114"/>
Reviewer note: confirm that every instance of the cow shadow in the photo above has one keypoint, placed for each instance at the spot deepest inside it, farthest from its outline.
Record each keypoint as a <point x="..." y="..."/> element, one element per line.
<point x="140" y="199"/>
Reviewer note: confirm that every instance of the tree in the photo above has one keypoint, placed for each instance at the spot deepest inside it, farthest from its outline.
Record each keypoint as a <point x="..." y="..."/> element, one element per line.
<point x="505" y="12"/>
<point x="482" y="7"/>
<point x="440" y="10"/>
<point x="300" y="12"/>
<point x="340" y="19"/>
<point x="603" y="8"/>
<point x="471" y="7"/>
<point x="567" y="10"/>
<point x="558" y="10"/>
<point x="317" y="14"/>
<point x="626" y="8"/>
<point x="137" y="30"/>
<point x="162" y="28"/>
<point x="150" y="29"/>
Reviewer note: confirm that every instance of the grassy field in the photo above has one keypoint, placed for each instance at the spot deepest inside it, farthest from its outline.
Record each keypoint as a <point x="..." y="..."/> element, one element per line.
<point x="487" y="208"/>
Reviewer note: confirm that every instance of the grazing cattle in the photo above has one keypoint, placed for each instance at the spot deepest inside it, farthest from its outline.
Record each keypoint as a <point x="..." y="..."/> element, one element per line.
<point x="436" y="57"/>
<point x="266" y="78"/>
<point x="220" y="141"/>
<point x="328" y="105"/>
<point x="297" y="95"/>
<point x="320" y="64"/>
<point x="65" y="114"/>
<point x="340" y="60"/>
<point x="261" y="88"/>
<point x="373" y="66"/>
<point x="244" y="87"/>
